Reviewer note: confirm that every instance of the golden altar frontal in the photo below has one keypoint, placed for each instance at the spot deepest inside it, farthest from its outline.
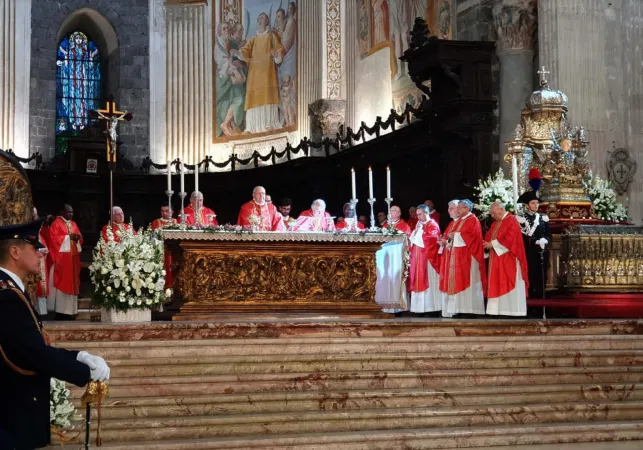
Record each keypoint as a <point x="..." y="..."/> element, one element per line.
<point x="272" y="272"/>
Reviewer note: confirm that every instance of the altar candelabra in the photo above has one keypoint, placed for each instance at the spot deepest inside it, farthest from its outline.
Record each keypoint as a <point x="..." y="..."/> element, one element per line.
<point x="371" y="201"/>
<point x="182" y="195"/>
<point x="353" y="202"/>
<point x="388" y="201"/>
<point x="169" y="194"/>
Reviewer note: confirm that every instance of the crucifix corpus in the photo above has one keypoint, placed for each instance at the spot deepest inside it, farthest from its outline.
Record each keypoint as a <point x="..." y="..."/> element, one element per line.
<point x="111" y="115"/>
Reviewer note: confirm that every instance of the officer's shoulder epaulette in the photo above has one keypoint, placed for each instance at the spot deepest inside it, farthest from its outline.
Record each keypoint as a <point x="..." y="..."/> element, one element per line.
<point x="7" y="284"/>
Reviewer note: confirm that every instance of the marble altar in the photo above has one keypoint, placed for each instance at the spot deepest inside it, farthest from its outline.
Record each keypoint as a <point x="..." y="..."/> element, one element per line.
<point x="356" y="274"/>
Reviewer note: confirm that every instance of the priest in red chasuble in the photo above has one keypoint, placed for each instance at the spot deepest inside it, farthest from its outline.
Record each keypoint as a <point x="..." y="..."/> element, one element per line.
<point x="117" y="224"/>
<point x="424" y="281"/>
<point x="260" y="215"/>
<point x="508" y="279"/>
<point x="165" y="219"/>
<point x="315" y="219"/>
<point x="397" y="221"/>
<point x="65" y="245"/>
<point x="466" y="277"/>
<point x="444" y="252"/>
<point x="163" y="222"/>
<point x="205" y="216"/>
<point x="349" y="216"/>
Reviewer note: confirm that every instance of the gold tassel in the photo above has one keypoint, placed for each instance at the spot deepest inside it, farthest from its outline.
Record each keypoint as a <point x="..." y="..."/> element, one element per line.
<point x="96" y="392"/>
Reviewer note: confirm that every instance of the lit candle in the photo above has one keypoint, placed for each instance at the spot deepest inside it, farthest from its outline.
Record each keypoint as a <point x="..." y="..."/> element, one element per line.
<point x="388" y="182"/>
<point x="196" y="178"/>
<point x="370" y="182"/>
<point x="182" y="177"/>
<point x="353" y="184"/>
<point x="169" y="176"/>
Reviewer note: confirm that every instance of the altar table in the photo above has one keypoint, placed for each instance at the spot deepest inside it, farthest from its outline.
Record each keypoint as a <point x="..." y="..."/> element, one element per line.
<point x="219" y="273"/>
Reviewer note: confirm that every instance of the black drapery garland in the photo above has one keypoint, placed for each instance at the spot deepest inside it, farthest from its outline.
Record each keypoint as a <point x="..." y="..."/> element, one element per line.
<point x="345" y="138"/>
<point x="305" y="145"/>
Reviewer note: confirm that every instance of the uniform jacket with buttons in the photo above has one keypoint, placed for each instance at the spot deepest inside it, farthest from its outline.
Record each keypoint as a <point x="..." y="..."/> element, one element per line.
<point x="27" y="364"/>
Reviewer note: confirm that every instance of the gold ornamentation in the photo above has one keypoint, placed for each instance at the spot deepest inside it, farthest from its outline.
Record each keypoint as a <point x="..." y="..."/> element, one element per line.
<point x="273" y="236"/>
<point x="333" y="49"/>
<point x="212" y="276"/>
<point x="16" y="206"/>
<point x="608" y="258"/>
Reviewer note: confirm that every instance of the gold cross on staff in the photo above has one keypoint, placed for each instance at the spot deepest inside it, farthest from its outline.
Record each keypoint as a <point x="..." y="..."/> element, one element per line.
<point x="111" y="115"/>
<point x="542" y="72"/>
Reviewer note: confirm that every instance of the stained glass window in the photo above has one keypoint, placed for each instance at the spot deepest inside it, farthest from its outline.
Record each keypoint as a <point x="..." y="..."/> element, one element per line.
<point x="78" y="86"/>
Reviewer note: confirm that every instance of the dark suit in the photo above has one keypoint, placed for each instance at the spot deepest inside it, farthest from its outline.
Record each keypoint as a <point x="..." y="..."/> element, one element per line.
<point x="24" y="414"/>
<point x="537" y="259"/>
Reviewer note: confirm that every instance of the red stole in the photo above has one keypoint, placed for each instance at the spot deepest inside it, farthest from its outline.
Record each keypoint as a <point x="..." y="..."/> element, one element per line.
<point x="502" y="269"/>
<point x="260" y="217"/>
<point x="421" y="256"/>
<point x="459" y="264"/>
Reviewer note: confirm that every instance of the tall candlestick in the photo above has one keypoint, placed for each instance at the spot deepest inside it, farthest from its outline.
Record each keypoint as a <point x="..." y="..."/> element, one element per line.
<point x="388" y="182"/>
<point x="353" y="183"/>
<point x="196" y="177"/>
<point x="370" y="182"/>
<point x="169" y="176"/>
<point x="182" y="177"/>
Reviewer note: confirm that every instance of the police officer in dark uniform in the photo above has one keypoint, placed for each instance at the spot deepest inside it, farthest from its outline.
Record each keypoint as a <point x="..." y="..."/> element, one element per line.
<point x="537" y="239"/>
<point x="27" y="361"/>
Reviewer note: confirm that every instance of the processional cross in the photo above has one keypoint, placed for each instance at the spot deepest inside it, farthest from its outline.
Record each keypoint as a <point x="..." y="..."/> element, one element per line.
<point x="111" y="115"/>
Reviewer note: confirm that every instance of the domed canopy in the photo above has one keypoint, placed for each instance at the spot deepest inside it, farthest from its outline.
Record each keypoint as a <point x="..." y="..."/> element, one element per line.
<point x="545" y="98"/>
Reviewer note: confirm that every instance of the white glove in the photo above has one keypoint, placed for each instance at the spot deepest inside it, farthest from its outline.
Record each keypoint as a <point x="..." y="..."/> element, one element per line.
<point x="99" y="370"/>
<point x="542" y="242"/>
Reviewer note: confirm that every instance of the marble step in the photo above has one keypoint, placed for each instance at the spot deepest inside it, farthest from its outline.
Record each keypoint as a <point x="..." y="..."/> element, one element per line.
<point x="306" y="381"/>
<point x="205" y="405"/>
<point x="370" y="362"/>
<point x="338" y="346"/>
<point x="506" y="437"/>
<point x="199" y="427"/>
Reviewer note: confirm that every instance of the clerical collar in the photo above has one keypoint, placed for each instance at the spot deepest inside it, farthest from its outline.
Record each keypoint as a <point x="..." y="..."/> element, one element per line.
<point x="259" y="204"/>
<point x="393" y="222"/>
<point x="16" y="279"/>
<point x="464" y="217"/>
<point x="506" y="214"/>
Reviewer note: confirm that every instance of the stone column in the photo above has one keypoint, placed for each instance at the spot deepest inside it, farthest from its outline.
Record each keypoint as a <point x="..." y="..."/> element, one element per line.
<point x="515" y="22"/>
<point x="15" y="51"/>
<point x="329" y="112"/>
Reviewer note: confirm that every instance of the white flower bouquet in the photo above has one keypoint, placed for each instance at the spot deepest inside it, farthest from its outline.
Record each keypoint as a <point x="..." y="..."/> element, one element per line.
<point x="129" y="274"/>
<point x="604" y="202"/>
<point x="61" y="411"/>
<point x="494" y="188"/>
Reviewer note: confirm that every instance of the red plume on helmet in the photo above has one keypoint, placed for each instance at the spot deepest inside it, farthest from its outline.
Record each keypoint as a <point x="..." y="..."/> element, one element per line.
<point x="535" y="180"/>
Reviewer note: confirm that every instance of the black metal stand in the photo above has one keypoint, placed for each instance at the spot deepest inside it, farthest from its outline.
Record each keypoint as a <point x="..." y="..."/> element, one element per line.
<point x="88" y="422"/>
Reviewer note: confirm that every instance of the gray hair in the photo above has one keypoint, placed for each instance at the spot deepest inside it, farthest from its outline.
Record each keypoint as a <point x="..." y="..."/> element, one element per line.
<point x="258" y="187"/>
<point x="498" y="204"/>
<point x="454" y="202"/>
<point x="116" y="209"/>
<point x="196" y="194"/>
<point x="319" y="200"/>
<point x="424" y="208"/>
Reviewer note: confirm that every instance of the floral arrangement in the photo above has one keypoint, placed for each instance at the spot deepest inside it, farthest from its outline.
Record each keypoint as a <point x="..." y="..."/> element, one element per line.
<point x="128" y="274"/>
<point x="604" y="202"/>
<point x="61" y="411"/>
<point x="494" y="188"/>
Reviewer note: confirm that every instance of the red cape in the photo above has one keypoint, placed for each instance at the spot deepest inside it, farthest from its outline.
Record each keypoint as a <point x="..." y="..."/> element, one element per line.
<point x="459" y="263"/>
<point x="205" y="212"/>
<point x="343" y="224"/>
<point x="266" y="216"/>
<point x="66" y="264"/>
<point x="421" y="256"/>
<point x="502" y="269"/>
<point x="402" y="226"/>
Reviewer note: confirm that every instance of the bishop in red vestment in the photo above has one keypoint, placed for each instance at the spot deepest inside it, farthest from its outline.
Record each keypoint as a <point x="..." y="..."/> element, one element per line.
<point x="434" y="214"/>
<point x="508" y="278"/>
<point x="65" y="245"/>
<point x="165" y="219"/>
<point x="444" y="252"/>
<point x="205" y="217"/>
<point x="351" y="215"/>
<point x="315" y="219"/>
<point x="397" y="221"/>
<point x="467" y="279"/>
<point x="413" y="218"/>
<point x="163" y="222"/>
<point x="260" y="215"/>
<point x="424" y="281"/>
<point x="117" y="224"/>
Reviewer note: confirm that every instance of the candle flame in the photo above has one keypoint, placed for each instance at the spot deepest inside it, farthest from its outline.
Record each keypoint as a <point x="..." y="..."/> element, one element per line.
<point x="369" y="168"/>
<point x="352" y="169"/>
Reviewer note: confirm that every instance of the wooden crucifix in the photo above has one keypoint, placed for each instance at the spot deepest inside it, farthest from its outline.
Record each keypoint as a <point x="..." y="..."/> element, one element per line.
<point x="111" y="115"/>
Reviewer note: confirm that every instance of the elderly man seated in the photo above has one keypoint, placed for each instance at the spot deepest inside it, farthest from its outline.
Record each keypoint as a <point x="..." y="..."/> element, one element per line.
<point x="315" y="219"/>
